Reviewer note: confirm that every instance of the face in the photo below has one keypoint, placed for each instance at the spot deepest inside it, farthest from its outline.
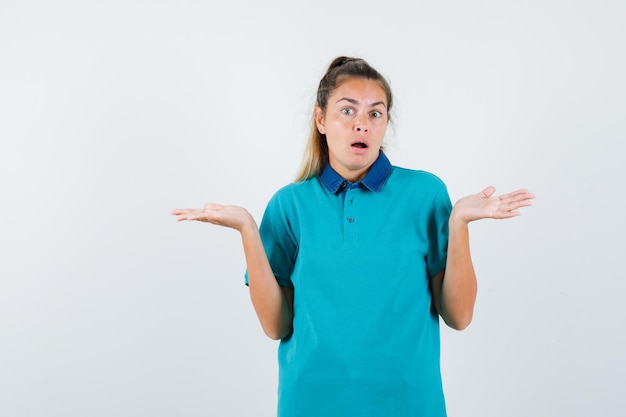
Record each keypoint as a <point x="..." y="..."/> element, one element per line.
<point x="354" y="123"/>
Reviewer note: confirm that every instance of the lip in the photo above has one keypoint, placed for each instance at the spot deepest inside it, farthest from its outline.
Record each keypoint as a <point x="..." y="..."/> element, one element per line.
<point x="360" y="140"/>
<point x="359" y="150"/>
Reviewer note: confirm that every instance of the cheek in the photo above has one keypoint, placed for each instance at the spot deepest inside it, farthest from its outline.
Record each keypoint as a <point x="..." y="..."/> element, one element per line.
<point x="381" y="128"/>
<point x="336" y="126"/>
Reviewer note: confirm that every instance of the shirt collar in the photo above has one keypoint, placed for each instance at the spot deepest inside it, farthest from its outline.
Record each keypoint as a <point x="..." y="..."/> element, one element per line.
<point x="374" y="180"/>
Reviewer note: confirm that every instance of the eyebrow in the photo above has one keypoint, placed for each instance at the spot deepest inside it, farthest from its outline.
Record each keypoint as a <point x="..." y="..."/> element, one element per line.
<point x="355" y="102"/>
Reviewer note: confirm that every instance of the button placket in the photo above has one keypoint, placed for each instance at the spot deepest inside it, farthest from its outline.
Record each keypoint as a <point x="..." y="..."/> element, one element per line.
<point x="350" y="217"/>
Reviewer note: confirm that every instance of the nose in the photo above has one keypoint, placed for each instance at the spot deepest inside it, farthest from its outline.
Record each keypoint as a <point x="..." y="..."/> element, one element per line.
<point x="360" y="124"/>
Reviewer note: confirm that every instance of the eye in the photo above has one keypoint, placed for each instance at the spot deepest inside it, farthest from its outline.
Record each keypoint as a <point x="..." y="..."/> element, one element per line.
<point x="347" y="111"/>
<point x="376" y="114"/>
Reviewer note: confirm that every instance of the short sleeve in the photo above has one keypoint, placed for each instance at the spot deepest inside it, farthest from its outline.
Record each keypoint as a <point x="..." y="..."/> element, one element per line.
<point x="438" y="232"/>
<point x="278" y="240"/>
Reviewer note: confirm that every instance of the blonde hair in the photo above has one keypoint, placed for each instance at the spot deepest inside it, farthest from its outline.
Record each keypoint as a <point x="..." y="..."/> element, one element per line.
<point x="341" y="68"/>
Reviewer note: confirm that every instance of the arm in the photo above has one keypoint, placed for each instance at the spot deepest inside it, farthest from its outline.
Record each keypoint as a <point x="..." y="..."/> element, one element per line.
<point x="454" y="289"/>
<point x="273" y="304"/>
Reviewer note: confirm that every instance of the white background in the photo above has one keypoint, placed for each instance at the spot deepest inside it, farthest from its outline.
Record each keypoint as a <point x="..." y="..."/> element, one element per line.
<point x="114" y="113"/>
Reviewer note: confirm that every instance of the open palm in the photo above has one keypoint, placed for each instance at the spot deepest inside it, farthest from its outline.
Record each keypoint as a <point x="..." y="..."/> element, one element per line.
<point x="485" y="205"/>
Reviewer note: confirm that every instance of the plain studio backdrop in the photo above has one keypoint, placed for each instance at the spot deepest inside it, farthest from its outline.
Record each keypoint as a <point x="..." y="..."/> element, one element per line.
<point x="114" y="113"/>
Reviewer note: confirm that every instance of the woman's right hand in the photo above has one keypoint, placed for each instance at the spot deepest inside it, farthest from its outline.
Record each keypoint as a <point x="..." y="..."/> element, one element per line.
<point x="235" y="217"/>
<point x="273" y="304"/>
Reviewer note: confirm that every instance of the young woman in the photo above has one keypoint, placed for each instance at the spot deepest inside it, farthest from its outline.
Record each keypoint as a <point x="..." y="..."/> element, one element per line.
<point x="355" y="262"/>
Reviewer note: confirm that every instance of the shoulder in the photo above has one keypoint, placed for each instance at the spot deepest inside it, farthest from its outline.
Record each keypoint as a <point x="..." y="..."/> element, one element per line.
<point x="292" y="194"/>
<point x="295" y="189"/>
<point x="406" y="177"/>
<point x="419" y="189"/>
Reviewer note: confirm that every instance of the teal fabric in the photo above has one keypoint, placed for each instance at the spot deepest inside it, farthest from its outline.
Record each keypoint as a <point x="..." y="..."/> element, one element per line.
<point x="365" y="338"/>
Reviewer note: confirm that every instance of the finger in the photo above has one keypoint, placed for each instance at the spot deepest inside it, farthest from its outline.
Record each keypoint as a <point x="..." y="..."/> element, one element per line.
<point x="187" y="211"/>
<point x="521" y="193"/>
<point x="213" y="206"/>
<point x="521" y="201"/>
<point x="511" y="209"/>
<point x="517" y="196"/>
<point x="189" y="214"/>
<point x="510" y="214"/>
<point x="181" y="214"/>
<point x="488" y="192"/>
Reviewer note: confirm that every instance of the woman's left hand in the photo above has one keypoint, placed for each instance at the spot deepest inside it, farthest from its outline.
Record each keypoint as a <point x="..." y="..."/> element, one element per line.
<point x="485" y="205"/>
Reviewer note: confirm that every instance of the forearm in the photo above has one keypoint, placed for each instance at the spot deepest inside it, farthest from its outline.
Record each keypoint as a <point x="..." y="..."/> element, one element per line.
<point x="269" y="301"/>
<point x="459" y="287"/>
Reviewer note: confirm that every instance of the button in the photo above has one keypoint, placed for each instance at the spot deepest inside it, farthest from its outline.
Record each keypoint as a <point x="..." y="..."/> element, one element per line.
<point x="350" y="219"/>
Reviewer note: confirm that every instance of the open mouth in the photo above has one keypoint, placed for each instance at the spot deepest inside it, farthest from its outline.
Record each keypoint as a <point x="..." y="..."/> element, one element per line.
<point x="360" y="145"/>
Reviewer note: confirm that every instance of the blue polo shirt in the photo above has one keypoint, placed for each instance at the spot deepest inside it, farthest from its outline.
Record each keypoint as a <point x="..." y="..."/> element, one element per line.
<point x="365" y="339"/>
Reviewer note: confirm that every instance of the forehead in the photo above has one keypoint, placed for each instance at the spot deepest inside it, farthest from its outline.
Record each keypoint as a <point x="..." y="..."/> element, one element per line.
<point x="361" y="89"/>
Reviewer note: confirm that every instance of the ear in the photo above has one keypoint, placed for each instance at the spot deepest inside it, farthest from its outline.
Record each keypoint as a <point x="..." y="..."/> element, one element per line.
<point x="318" y="115"/>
